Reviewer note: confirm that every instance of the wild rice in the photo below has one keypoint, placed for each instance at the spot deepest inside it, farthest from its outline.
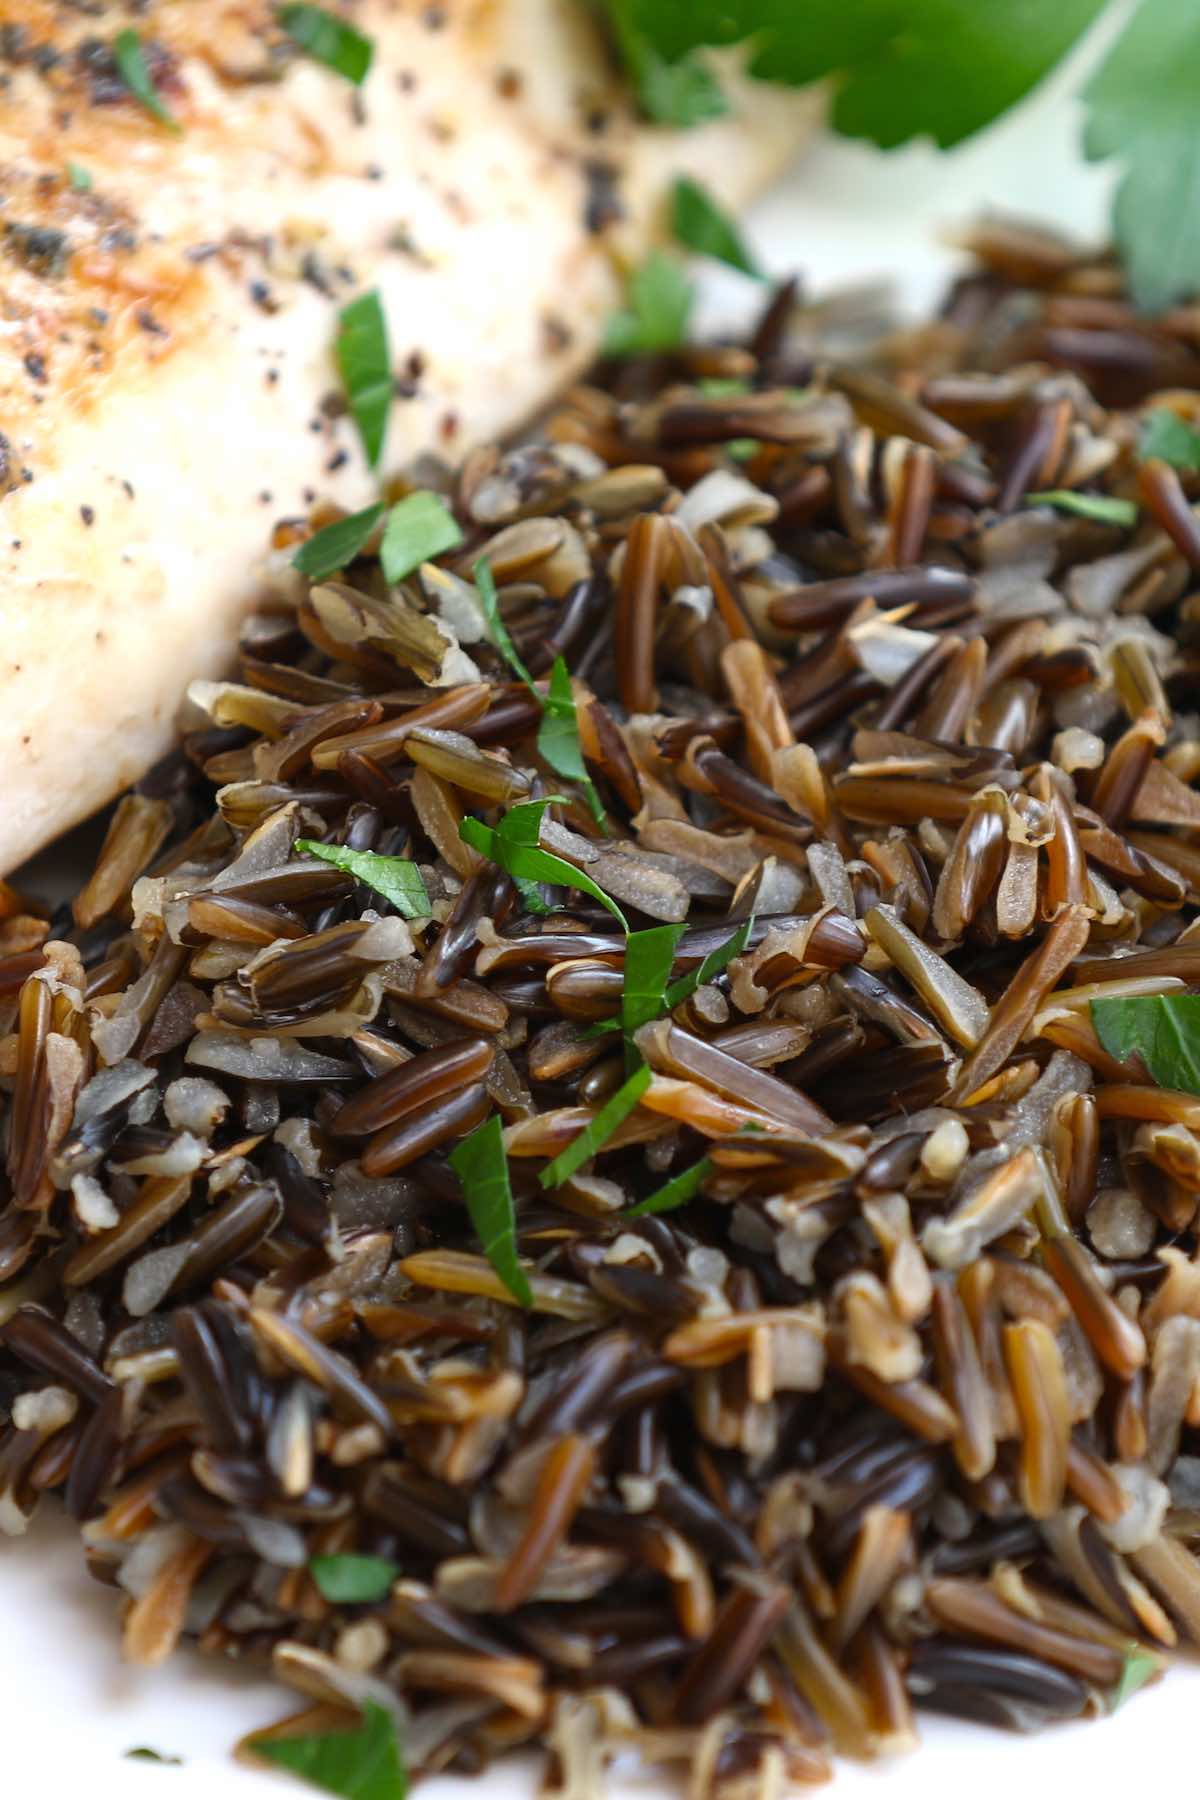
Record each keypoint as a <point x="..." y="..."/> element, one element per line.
<point x="899" y="1409"/>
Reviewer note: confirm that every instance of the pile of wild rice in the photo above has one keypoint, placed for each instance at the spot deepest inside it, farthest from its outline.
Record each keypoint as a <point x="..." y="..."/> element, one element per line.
<point x="901" y="1408"/>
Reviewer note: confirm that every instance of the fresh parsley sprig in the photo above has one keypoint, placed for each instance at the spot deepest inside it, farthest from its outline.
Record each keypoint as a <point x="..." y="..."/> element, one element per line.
<point x="946" y="68"/>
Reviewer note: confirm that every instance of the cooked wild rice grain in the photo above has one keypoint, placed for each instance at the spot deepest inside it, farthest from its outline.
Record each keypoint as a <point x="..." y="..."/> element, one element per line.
<point x="901" y="1406"/>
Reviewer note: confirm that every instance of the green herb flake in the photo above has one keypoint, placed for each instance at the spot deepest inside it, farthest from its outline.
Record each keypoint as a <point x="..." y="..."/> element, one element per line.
<point x="1100" y="507"/>
<point x="134" y="71"/>
<point x="674" y="1193"/>
<point x="481" y="1165"/>
<point x="648" y="959"/>
<point x="658" y="306"/>
<point x="146" y="1753"/>
<point x="713" y="964"/>
<point x="329" y="40"/>
<point x="594" y="1135"/>
<point x="724" y="387"/>
<point x="1140" y="1666"/>
<point x="558" y="734"/>
<point x="395" y="877"/>
<point x="1163" y="1029"/>
<point x="1170" y="439"/>
<point x="331" y="548"/>
<point x="680" y="990"/>
<point x="700" y="225"/>
<point x="353" y="1580"/>
<point x="419" y="527"/>
<point x="558" y="737"/>
<point x="531" y="895"/>
<point x="362" y="1764"/>
<point x="497" y="630"/>
<point x="514" y="846"/>
<point x="80" y="180"/>
<point x="365" y="364"/>
<point x="681" y="90"/>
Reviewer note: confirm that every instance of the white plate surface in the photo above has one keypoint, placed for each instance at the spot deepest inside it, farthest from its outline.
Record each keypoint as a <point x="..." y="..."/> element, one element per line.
<point x="70" y="1708"/>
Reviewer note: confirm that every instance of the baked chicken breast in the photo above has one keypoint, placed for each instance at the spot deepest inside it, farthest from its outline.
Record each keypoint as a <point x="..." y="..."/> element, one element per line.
<point x="169" y="301"/>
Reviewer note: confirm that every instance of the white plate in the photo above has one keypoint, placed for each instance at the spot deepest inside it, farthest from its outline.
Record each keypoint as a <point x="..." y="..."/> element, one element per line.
<point x="70" y="1708"/>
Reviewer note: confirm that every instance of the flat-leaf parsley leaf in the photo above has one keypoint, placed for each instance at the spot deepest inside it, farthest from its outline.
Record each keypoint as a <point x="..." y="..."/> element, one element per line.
<point x="329" y="40"/>
<point x="361" y="1764"/>
<point x="395" y="877"/>
<point x="699" y="224"/>
<point x="1163" y="1029"/>
<point x="364" y="361"/>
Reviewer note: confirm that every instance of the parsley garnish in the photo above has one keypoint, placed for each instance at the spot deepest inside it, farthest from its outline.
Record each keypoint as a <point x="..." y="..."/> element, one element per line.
<point x="513" y="844"/>
<point x="1169" y="438"/>
<point x="713" y="963"/>
<point x="146" y="1753"/>
<point x="489" y="602"/>
<point x="362" y="1764"/>
<point x="678" y="91"/>
<point x="134" y="71"/>
<point x="419" y="527"/>
<point x="558" y="734"/>
<point x="947" y="68"/>
<point x="927" y="66"/>
<point x="395" y="877"/>
<point x="329" y="40"/>
<point x="594" y="1135"/>
<point x="351" y="1579"/>
<point x="676" y="1192"/>
<point x="81" y="183"/>
<point x="331" y="548"/>
<point x="700" y="225"/>
<point x="648" y="958"/>
<point x="1163" y="1029"/>
<point x="658" y="305"/>
<point x="364" y="361"/>
<point x="558" y="737"/>
<point x="1100" y="507"/>
<point x="1140" y="1667"/>
<point x="481" y="1165"/>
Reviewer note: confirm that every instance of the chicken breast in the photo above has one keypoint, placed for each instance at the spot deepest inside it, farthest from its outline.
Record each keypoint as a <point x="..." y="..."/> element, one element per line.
<point x="169" y="302"/>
